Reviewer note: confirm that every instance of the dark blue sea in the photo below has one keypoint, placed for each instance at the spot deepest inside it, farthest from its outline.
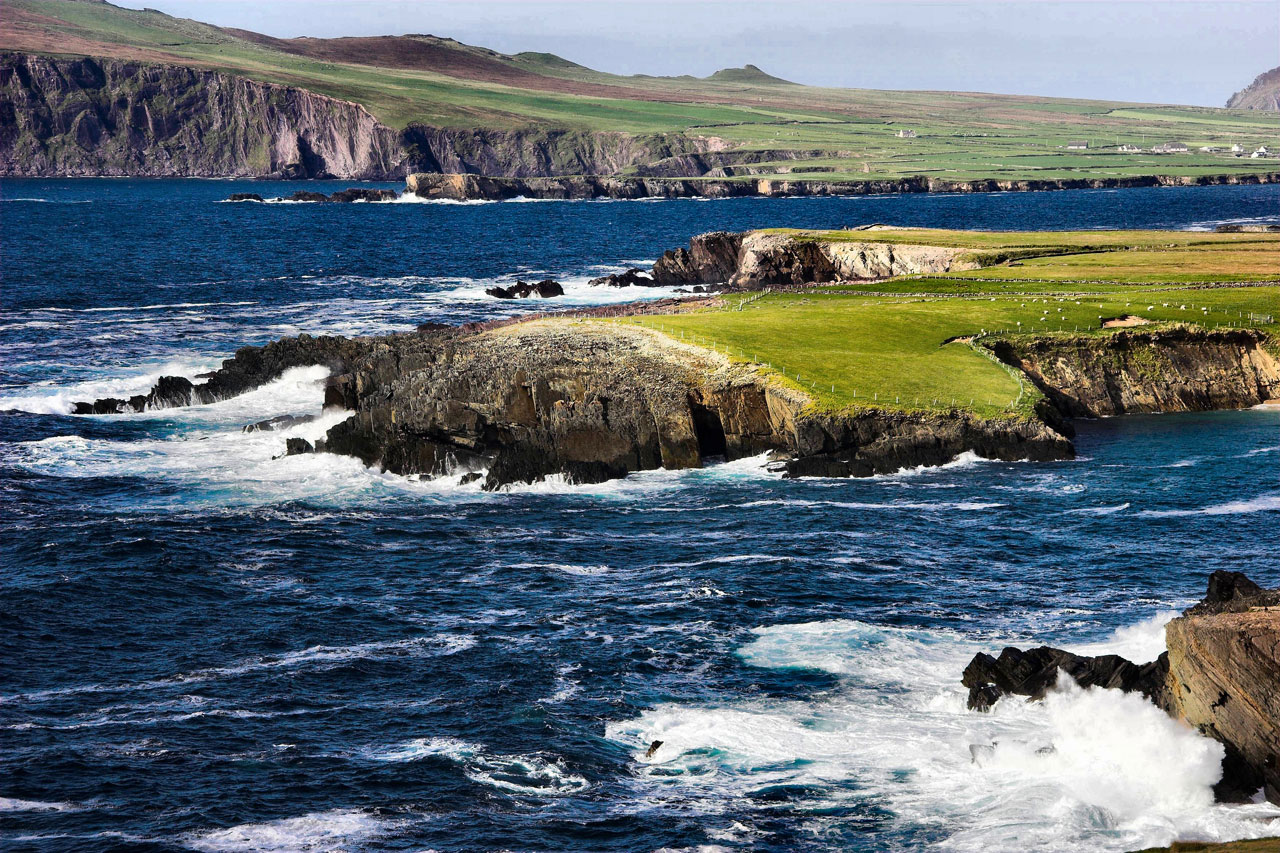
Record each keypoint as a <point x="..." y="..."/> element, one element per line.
<point x="206" y="648"/>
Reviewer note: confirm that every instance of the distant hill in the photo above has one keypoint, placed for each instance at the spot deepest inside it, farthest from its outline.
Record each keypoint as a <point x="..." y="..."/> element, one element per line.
<point x="89" y="88"/>
<point x="1262" y="94"/>
<point x="748" y="74"/>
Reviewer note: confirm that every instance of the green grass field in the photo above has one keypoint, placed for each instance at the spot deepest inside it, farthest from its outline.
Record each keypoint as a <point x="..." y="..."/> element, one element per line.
<point x="850" y="132"/>
<point x="849" y="348"/>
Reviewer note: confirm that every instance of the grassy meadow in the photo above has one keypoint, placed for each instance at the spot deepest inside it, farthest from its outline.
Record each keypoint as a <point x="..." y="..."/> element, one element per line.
<point x="896" y="347"/>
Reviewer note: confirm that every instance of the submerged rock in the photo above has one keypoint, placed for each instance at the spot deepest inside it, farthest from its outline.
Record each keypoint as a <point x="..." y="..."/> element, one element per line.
<point x="1221" y="675"/>
<point x="633" y="277"/>
<point x="279" y="422"/>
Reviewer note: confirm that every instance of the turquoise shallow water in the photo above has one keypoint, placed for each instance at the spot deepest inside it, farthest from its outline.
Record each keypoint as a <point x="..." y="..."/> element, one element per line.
<point x="210" y="649"/>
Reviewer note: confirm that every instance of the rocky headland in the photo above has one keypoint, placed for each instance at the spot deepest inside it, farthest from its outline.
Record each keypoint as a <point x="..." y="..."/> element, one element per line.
<point x="576" y="395"/>
<point x="1220" y="675"/>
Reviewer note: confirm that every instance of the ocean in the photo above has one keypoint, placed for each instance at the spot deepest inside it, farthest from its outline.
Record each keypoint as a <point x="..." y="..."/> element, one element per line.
<point x="208" y="648"/>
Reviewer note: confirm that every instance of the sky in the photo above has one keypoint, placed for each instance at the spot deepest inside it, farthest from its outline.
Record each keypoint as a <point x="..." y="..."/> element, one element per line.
<point x="1173" y="51"/>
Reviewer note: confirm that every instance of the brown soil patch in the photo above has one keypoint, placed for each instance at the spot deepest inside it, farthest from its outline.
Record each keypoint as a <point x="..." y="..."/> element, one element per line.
<point x="419" y="54"/>
<point x="1125" y="322"/>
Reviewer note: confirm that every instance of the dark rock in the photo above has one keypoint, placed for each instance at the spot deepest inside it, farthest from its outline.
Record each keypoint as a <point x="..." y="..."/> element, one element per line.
<point x="1034" y="672"/>
<point x="308" y="195"/>
<point x="297" y="447"/>
<point x="244" y="197"/>
<point x="632" y="277"/>
<point x="470" y="477"/>
<point x="711" y="258"/>
<point x="357" y="194"/>
<point x="653" y="747"/>
<point x="544" y="289"/>
<point x="278" y="423"/>
<point x="248" y="369"/>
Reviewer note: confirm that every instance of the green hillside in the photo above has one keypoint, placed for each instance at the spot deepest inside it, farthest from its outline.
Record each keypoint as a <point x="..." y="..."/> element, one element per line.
<point x="905" y="343"/>
<point x="840" y="134"/>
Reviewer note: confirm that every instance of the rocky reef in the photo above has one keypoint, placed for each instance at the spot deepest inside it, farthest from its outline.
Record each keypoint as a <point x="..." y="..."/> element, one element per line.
<point x="1220" y="675"/>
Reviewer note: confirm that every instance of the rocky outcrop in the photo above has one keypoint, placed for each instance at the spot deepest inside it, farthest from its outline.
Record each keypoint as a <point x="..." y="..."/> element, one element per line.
<point x="1262" y="94"/>
<point x="528" y="401"/>
<point x="1178" y="369"/>
<point x="1221" y="675"/>
<point x="544" y="289"/>
<point x="710" y="258"/>
<point x="758" y="259"/>
<point x="250" y="368"/>
<point x="83" y="117"/>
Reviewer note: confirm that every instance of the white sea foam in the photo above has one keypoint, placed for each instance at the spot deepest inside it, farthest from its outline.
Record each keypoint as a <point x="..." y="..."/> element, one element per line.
<point x="11" y="804"/>
<point x="1099" y="510"/>
<point x="1262" y="503"/>
<point x="322" y="832"/>
<point x="533" y="775"/>
<point x="51" y="398"/>
<point x="320" y="656"/>
<point x="1085" y="770"/>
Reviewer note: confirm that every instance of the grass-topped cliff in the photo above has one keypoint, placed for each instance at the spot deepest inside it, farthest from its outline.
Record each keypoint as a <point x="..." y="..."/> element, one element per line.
<point x="754" y="124"/>
<point x="924" y="342"/>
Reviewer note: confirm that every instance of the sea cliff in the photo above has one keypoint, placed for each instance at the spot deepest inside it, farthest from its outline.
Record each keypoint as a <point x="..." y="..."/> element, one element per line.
<point x="1220" y="675"/>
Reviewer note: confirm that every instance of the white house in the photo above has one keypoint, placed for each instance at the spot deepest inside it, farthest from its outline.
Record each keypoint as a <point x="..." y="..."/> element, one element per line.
<point x="1237" y="148"/>
<point x="907" y="134"/>
<point x="1129" y="149"/>
<point x="1080" y="145"/>
<point x="1261" y="152"/>
<point x="1169" y="148"/>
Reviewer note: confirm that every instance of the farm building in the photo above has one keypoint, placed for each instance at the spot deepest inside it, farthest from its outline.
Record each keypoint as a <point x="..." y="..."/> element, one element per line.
<point x="1080" y="145"/>
<point x="1169" y="148"/>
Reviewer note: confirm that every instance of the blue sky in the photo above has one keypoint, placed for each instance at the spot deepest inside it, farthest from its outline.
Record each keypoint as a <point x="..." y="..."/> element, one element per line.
<point x="1173" y="51"/>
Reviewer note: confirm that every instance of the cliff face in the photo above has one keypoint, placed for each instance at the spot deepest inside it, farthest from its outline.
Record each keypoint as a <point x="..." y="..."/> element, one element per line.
<point x="111" y="117"/>
<point x="463" y="187"/>
<point x="1172" y="370"/>
<point x="84" y="117"/>
<point x="759" y="259"/>
<point x="1262" y="94"/>
<point x="1224" y="677"/>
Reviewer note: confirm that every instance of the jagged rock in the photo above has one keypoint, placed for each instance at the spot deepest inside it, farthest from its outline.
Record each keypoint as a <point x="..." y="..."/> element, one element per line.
<point x="244" y="197"/>
<point x="711" y="258"/>
<point x="1221" y="675"/>
<point x="298" y="447"/>
<point x="1034" y="672"/>
<point x="279" y="422"/>
<point x="469" y="478"/>
<point x="248" y="369"/>
<point x="544" y="289"/>
<point x="308" y="195"/>
<point x="632" y="277"/>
